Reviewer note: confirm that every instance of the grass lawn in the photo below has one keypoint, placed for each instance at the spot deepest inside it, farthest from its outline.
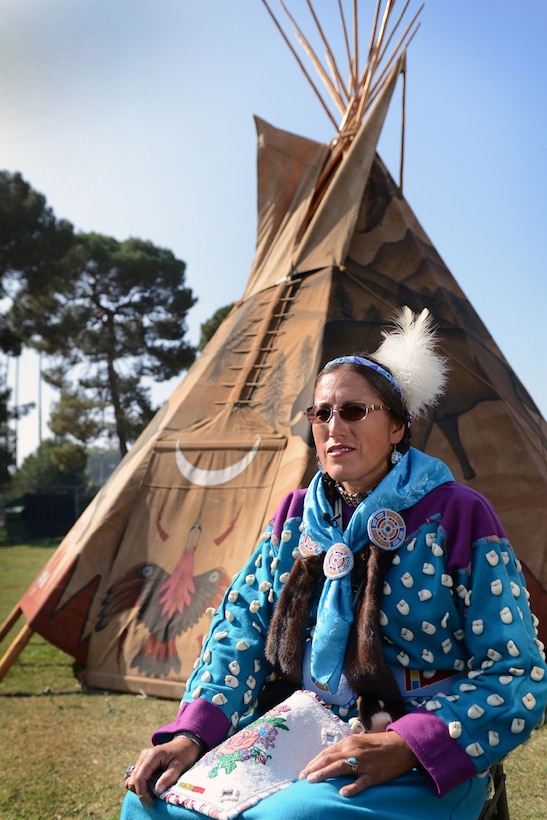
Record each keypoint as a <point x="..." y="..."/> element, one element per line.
<point x="63" y="749"/>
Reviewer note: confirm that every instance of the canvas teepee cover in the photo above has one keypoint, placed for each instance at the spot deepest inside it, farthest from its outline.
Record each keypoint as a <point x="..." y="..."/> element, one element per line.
<point x="128" y="589"/>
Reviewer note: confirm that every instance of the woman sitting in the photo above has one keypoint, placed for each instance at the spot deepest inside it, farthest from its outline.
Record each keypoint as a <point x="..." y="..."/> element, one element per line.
<point x="391" y="591"/>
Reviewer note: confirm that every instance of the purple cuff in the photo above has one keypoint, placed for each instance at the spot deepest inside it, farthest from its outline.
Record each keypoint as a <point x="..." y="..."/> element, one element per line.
<point x="444" y="763"/>
<point x="202" y="718"/>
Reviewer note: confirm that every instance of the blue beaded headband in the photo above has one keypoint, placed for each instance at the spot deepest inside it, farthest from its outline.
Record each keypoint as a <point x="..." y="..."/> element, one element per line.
<point x="367" y="363"/>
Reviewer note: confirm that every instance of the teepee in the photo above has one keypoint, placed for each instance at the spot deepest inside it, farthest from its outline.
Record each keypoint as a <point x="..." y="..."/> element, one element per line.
<point x="338" y="250"/>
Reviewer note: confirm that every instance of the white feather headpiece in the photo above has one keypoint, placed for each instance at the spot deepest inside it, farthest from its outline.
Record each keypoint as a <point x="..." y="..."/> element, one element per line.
<point x="409" y="351"/>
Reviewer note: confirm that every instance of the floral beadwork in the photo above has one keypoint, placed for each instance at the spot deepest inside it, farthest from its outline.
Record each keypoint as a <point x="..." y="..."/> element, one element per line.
<point x="251" y="743"/>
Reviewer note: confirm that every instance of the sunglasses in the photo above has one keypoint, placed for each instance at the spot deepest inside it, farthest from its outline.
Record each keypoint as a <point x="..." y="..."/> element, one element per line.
<point x="347" y="412"/>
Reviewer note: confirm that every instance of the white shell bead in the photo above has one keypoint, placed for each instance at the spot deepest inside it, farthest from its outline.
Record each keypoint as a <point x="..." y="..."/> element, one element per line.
<point x="495" y="700"/>
<point x="475" y="711"/>
<point x="518" y="725"/>
<point x="493" y="558"/>
<point x="474" y="750"/>
<point x="537" y="673"/>
<point x="513" y="649"/>
<point x="496" y="587"/>
<point x="454" y="729"/>
<point x="515" y="589"/>
<point x="493" y="738"/>
<point x="529" y="701"/>
<point x="506" y="615"/>
<point x="231" y="681"/>
<point x="424" y="594"/>
<point x="242" y="646"/>
<point x="219" y="699"/>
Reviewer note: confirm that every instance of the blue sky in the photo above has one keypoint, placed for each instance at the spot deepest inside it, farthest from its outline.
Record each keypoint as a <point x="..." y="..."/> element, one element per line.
<point x="135" y="118"/>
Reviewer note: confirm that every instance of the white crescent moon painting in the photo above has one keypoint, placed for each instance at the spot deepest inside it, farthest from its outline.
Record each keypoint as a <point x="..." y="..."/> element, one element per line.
<point x="211" y="478"/>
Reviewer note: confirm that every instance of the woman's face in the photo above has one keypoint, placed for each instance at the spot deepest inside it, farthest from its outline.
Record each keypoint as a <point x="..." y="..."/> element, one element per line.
<point x="357" y="453"/>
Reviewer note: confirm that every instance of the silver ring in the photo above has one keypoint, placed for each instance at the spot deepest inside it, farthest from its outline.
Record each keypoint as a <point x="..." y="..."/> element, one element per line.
<point x="128" y="772"/>
<point x="353" y="763"/>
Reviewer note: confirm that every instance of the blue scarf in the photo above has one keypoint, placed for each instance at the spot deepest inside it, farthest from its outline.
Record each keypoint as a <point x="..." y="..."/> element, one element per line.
<point x="412" y="478"/>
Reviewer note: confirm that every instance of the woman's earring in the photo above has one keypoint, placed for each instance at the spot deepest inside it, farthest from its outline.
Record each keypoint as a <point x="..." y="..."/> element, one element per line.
<point x="396" y="456"/>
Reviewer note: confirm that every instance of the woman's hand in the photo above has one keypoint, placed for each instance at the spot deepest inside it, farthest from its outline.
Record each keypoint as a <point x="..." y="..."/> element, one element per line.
<point x="170" y="760"/>
<point x="379" y="756"/>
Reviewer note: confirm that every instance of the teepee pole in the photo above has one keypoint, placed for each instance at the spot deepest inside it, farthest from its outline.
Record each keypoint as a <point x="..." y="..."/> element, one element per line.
<point x="348" y="51"/>
<point x="355" y="68"/>
<point x="10" y="621"/>
<point x="403" y="124"/>
<point x="15" y="650"/>
<point x="312" y="55"/>
<point x="302" y="66"/>
<point x="328" y="51"/>
<point x="380" y="80"/>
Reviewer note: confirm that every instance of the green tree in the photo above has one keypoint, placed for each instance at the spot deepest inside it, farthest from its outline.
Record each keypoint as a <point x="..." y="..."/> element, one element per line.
<point x="115" y="314"/>
<point x="210" y="327"/>
<point x="32" y="244"/>
<point x="56" y="463"/>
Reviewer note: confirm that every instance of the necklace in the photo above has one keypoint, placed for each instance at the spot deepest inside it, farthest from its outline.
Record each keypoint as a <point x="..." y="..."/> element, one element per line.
<point x="352" y="499"/>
